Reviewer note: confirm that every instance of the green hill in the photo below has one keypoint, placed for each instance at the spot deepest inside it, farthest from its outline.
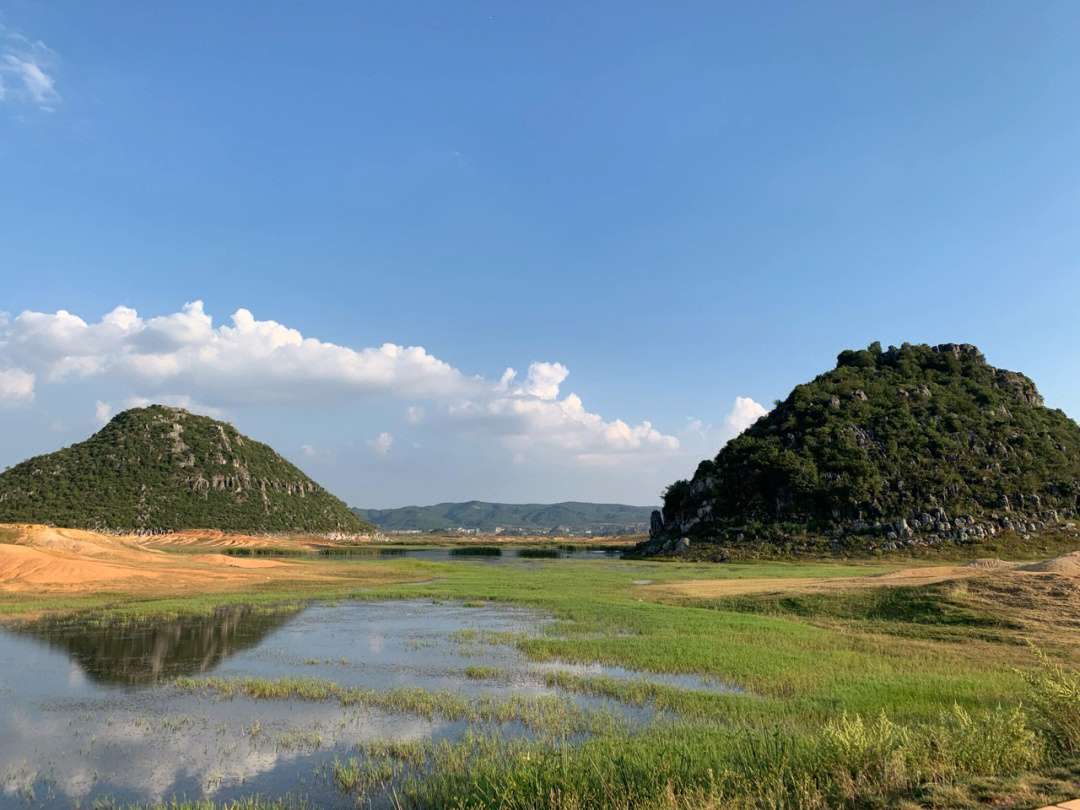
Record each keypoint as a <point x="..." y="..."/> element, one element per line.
<point x="530" y="518"/>
<point x="918" y="445"/>
<point x="160" y="469"/>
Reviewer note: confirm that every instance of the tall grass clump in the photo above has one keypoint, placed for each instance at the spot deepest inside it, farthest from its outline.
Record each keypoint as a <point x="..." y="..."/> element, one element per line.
<point x="1054" y="703"/>
<point x="871" y="757"/>
<point x="850" y="762"/>
<point x="991" y="743"/>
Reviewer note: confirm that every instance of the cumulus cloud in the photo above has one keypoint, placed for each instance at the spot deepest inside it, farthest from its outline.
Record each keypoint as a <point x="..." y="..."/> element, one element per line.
<point x="16" y="385"/>
<point x="533" y="416"/>
<point x="26" y="69"/>
<point x="102" y="411"/>
<point x="185" y="359"/>
<point x="703" y="439"/>
<point x="249" y="361"/>
<point x="543" y="381"/>
<point x="744" y="413"/>
<point x="380" y="445"/>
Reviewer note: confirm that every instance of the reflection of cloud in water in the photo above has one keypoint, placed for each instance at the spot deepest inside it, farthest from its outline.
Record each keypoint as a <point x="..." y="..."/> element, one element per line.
<point x="76" y="677"/>
<point x="158" y="745"/>
<point x="78" y="719"/>
<point x="375" y="642"/>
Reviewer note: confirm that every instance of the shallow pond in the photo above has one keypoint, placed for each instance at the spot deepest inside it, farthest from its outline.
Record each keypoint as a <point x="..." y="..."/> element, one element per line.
<point x="91" y="710"/>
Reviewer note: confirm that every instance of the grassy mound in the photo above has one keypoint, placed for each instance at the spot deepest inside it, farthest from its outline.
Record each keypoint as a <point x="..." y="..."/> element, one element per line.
<point x="162" y="469"/>
<point x="908" y="446"/>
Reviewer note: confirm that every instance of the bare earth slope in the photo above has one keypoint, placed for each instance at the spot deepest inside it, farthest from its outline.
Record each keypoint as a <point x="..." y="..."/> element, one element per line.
<point x="44" y="560"/>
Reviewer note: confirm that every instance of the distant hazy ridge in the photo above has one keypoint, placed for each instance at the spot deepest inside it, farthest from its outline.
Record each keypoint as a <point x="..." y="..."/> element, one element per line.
<point x="571" y="517"/>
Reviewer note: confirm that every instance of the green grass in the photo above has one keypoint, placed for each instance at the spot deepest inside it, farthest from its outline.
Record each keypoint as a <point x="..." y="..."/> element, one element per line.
<point x="477" y="673"/>
<point x="857" y="699"/>
<point x="926" y="612"/>
<point x="548" y="714"/>
<point x="247" y="803"/>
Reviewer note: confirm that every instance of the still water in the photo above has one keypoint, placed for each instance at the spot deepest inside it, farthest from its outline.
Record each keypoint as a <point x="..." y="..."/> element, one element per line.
<point x="88" y="710"/>
<point x="490" y="554"/>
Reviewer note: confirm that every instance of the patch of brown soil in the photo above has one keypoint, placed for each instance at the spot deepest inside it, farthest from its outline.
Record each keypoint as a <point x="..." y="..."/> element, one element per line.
<point x="989" y="563"/>
<point x="23" y="566"/>
<point x="1043" y="607"/>
<point x="239" y="562"/>
<point x="213" y="538"/>
<point x="718" y="588"/>
<point x="1065" y="564"/>
<point x="1066" y="567"/>
<point x="46" y="561"/>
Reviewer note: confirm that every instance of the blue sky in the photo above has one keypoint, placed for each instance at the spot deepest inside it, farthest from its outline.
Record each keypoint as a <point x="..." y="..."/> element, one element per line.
<point x="675" y="211"/>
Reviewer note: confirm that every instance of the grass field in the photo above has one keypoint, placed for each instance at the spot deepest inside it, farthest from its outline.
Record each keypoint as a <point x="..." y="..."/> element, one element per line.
<point x="950" y="694"/>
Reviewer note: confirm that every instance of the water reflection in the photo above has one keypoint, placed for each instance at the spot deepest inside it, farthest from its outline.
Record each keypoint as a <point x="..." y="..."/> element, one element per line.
<point x="139" y="652"/>
<point x="68" y="735"/>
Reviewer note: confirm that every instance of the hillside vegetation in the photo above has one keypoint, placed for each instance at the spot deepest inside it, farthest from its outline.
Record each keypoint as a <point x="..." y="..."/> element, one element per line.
<point x="160" y="469"/>
<point x="913" y="445"/>
<point x="533" y="518"/>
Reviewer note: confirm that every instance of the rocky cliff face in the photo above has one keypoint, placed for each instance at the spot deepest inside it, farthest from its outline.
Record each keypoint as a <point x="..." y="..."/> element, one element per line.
<point x="916" y="445"/>
<point x="161" y="469"/>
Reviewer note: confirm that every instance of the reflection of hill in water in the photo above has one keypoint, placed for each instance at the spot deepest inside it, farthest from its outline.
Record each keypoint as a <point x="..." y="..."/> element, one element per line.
<point x="146" y="651"/>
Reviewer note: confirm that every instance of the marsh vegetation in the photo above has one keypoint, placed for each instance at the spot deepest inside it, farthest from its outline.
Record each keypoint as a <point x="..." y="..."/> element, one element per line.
<point x="558" y="683"/>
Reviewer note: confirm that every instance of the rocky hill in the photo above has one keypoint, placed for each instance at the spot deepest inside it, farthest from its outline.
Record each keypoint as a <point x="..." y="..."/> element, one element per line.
<point x="161" y="469"/>
<point x="570" y="517"/>
<point x="916" y="445"/>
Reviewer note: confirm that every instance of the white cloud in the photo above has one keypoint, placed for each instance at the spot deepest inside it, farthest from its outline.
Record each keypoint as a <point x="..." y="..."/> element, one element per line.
<point x="26" y="71"/>
<point x="185" y="359"/>
<point x="744" y="413"/>
<point x="313" y="455"/>
<point x="709" y="438"/>
<point x="528" y="422"/>
<point x="102" y="411"/>
<point x="543" y="381"/>
<point x="16" y="385"/>
<point x="504" y="381"/>
<point x="381" y="443"/>
<point x="250" y="361"/>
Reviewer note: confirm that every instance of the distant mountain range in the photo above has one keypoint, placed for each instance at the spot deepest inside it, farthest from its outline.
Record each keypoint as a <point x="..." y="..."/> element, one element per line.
<point x="570" y="517"/>
<point x="163" y="469"/>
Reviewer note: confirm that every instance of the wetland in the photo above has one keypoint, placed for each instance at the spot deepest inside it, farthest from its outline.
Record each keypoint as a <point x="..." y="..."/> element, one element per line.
<point x="574" y="680"/>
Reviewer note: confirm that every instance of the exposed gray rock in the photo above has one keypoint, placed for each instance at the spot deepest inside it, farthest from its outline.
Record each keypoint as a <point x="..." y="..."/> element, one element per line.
<point x="656" y="523"/>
